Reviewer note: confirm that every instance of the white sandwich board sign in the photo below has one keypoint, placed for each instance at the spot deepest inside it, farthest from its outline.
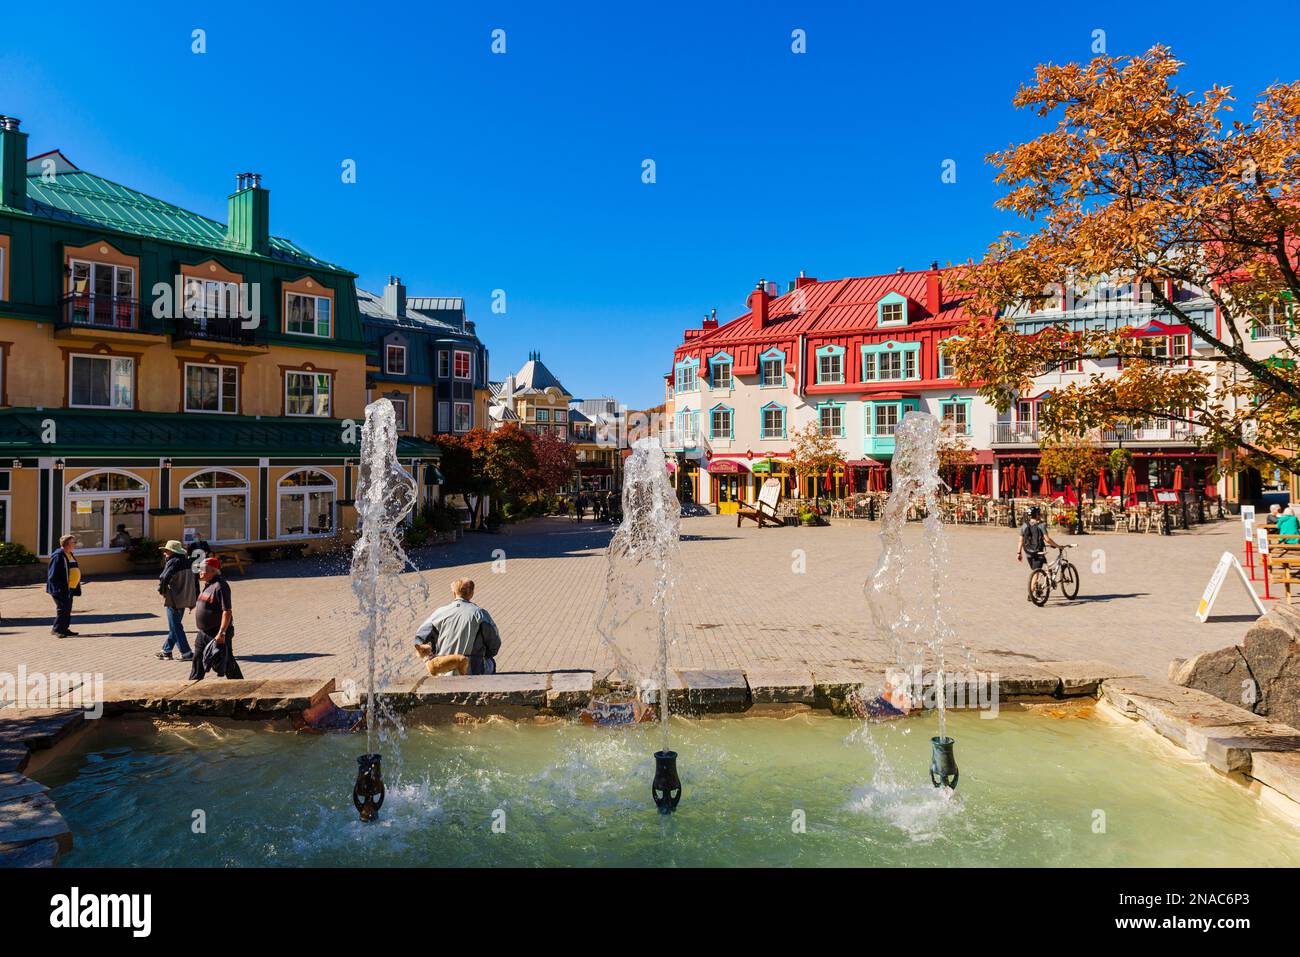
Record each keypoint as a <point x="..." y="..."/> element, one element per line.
<point x="1226" y="563"/>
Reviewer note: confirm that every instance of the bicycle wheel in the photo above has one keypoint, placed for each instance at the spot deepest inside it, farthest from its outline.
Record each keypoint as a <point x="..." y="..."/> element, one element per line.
<point x="1069" y="580"/>
<point x="1040" y="587"/>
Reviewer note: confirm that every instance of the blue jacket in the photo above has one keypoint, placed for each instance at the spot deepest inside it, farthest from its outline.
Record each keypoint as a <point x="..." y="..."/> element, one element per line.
<point x="56" y="575"/>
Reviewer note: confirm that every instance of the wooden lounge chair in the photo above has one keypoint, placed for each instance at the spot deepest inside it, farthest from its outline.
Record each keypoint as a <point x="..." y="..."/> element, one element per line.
<point x="764" y="510"/>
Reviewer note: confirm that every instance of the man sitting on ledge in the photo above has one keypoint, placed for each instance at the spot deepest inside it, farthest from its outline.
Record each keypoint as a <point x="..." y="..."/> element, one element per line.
<point x="459" y="638"/>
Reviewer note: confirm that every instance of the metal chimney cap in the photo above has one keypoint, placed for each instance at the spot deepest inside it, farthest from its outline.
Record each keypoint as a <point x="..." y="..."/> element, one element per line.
<point x="11" y="123"/>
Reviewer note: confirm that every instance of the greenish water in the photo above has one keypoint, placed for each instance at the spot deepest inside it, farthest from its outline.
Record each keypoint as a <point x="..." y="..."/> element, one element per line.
<point x="1032" y="790"/>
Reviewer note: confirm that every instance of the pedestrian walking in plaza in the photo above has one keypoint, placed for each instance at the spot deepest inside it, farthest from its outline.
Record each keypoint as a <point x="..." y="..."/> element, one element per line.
<point x="63" y="583"/>
<point x="456" y="629"/>
<point x="579" y="506"/>
<point x="214" y="622"/>
<point x="179" y="589"/>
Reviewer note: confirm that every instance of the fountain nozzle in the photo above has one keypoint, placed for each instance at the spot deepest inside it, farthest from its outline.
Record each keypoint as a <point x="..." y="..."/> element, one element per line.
<point x="368" y="792"/>
<point x="943" y="766"/>
<point x="667" y="786"/>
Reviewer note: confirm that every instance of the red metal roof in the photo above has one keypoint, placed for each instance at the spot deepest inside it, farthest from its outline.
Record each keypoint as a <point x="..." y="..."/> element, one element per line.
<point x="839" y="307"/>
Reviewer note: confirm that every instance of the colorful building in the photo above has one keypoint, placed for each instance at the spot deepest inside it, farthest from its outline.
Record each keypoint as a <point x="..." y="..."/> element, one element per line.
<point x="426" y="357"/>
<point x="534" y="399"/>
<point x="852" y="355"/>
<point x="165" y="374"/>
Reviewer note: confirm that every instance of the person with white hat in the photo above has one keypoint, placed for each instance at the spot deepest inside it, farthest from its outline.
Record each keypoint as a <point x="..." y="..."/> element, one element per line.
<point x="179" y="590"/>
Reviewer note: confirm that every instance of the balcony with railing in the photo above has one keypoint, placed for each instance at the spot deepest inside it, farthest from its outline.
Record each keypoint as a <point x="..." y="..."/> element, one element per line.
<point x="1014" y="433"/>
<point x="92" y="313"/>
<point x="681" y="439"/>
<point x="1162" y="432"/>
<point x="222" y="330"/>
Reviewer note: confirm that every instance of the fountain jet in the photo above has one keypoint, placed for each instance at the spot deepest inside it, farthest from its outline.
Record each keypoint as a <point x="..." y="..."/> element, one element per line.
<point x="385" y="494"/>
<point x="642" y="562"/>
<point x="943" y="766"/>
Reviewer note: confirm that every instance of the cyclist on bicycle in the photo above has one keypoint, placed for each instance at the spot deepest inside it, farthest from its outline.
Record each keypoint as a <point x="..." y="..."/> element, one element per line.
<point x="1034" y="540"/>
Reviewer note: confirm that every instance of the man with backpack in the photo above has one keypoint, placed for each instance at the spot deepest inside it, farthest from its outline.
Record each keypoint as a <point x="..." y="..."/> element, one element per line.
<point x="1034" y="540"/>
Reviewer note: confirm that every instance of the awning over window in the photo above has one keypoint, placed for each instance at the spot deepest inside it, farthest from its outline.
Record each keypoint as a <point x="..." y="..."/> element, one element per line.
<point x="725" y="467"/>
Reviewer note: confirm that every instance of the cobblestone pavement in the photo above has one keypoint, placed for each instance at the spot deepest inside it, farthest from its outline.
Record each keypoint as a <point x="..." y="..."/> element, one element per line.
<point x="740" y="604"/>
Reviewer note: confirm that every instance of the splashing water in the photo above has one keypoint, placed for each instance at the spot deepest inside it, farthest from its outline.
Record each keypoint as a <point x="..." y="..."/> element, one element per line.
<point x="643" y="559"/>
<point x="385" y="495"/>
<point x="904" y="590"/>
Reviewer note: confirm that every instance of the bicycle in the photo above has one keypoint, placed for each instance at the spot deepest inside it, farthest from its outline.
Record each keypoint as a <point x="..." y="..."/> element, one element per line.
<point x="1058" y="572"/>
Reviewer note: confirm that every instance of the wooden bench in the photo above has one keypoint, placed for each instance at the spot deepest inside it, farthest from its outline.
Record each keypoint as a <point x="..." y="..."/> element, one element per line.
<point x="272" y="550"/>
<point x="764" y="510"/>
<point x="232" y="558"/>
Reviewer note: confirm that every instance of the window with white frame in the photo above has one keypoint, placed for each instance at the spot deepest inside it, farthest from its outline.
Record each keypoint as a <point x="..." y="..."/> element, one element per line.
<point x="890" y="364"/>
<point x="773" y="371"/>
<point x="307" y="315"/>
<point x="306" y="502"/>
<point x="395" y="360"/>
<point x="957" y="415"/>
<point x="444" y="364"/>
<point x="947" y="367"/>
<point x="216" y="506"/>
<point x="211" y="388"/>
<point x="1171" y="350"/>
<point x="210" y="298"/>
<point x="107" y="510"/>
<point x="722" y="374"/>
<point x="773" y="422"/>
<point x="4" y="513"/>
<point x="444" y="416"/>
<point x="464" y="420"/>
<point x="686" y="377"/>
<point x="542" y="415"/>
<point x="461" y="366"/>
<point x="399" y="411"/>
<point x="101" y="382"/>
<point x="830" y="419"/>
<point x="830" y="367"/>
<point x="884" y="419"/>
<point x="892" y="313"/>
<point x="720" y="422"/>
<point x="307" y="393"/>
<point x="103" y="294"/>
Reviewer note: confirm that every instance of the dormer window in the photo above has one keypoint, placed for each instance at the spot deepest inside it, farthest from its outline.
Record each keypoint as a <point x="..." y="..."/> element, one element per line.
<point x="892" y="310"/>
<point x="686" y="376"/>
<point x="772" y="369"/>
<point x="395" y="360"/>
<point x="830" y="365"/>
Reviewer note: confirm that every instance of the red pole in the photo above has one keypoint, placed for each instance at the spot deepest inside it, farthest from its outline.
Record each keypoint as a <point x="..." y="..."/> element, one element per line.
<point x="1264" y="561"/>
<point x="1250" y="560"/>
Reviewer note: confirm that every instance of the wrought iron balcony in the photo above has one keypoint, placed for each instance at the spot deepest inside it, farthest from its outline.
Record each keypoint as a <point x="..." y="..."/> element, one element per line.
<point x="89" y="311"/>
<point x="229" y="329"/>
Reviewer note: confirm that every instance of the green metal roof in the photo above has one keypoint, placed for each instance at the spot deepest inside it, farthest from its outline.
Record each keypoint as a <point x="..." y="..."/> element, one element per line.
<point x="81" y="432"/>
<point x="75" y="196"/>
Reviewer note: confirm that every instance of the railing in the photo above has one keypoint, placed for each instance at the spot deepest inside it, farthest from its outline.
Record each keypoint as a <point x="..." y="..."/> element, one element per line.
<point x="1014" y="433"/>
<point x="681" y="440"/>
<point x="217" y="329"/>
<point x="1169" y="432"/>
<point x="84" y="310"/>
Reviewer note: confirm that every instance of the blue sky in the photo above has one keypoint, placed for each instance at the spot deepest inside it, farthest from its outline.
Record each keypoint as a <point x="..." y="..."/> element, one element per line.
<point x="522" y="171"/>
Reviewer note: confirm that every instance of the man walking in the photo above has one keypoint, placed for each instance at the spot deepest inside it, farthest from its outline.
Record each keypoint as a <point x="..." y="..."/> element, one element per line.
<point x="179" y="590"/>
<point x="63" y="583"/>
<point x="461" y="628"/>
<point x="215" y="623"/>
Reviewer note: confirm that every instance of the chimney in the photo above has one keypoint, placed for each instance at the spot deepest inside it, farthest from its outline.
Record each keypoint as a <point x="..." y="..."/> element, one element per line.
<point x="13" y="164"/>
<point x="395" y="297"/>
<point x="804" y="280"/>
<point x="249" y="226"/>
<point x="711" y="321"/>
<point x="758" y="300"/>
<point x="933" y="290"/>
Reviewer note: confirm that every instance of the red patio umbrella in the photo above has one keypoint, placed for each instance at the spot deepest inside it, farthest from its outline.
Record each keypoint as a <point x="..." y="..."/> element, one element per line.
<point x="981" y="482"/>
<point x="1103" y="491"/>
<point x="1022" y="481"/>
<point x="1178" y="479"/>
<point x="1045" y="486"/>
<point x="1130" y="484"/>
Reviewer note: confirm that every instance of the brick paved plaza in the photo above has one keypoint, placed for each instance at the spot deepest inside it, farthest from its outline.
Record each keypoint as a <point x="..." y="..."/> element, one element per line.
<point x="740" y="604"/>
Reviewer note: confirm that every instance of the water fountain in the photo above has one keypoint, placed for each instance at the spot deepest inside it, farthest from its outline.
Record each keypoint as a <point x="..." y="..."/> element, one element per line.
<point x="642" y="564"/>
<point x="385" y="495"/>
<point x="904" y="590"/>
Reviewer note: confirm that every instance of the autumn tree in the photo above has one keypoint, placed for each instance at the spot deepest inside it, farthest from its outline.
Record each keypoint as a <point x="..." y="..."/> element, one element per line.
<point x="1078" y="459"/>
<point x="1146" y="192"/>
<point x="556" y="461"/>
<point x="812" y="453"/>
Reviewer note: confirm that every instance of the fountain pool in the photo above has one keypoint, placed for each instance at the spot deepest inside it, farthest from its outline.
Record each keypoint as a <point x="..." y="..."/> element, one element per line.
<point x="802" y="790"/>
